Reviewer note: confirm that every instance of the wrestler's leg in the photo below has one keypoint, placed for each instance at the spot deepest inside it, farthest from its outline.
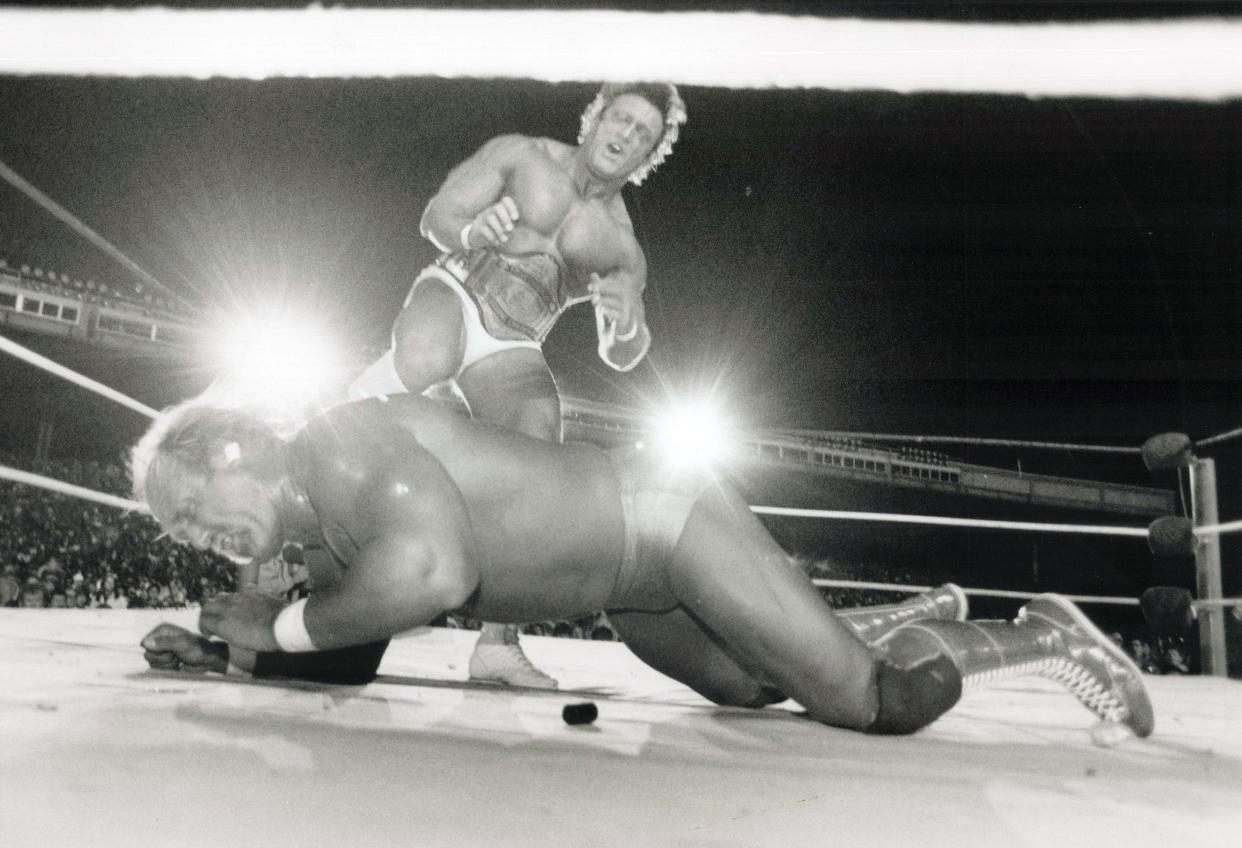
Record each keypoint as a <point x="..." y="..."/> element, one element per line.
<point x="514" y="388"/>
<point x="674" y="643"/>
<point x="429" y="336"/>
<point x="767" y="614"/>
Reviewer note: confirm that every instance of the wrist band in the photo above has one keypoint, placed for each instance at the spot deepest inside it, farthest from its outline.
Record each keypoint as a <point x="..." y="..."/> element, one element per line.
<point x="627" y="336"/>
<point x="290" y="629"/>
<point x="224" y="652"/>
<point x="464" y="238"/>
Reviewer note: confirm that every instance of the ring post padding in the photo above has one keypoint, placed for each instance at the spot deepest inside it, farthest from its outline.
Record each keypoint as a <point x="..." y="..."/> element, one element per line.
<point x="1167" y="451"/>
<point x="1171" y="536"/>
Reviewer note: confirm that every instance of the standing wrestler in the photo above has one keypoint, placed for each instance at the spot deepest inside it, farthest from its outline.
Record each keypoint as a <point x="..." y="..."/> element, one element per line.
<point x="422" y="511"/>
<point x="529" y="227"/>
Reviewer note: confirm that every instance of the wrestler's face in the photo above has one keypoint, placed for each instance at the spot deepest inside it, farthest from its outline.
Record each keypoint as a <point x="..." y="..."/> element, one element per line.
<point x="233" y="514"/>
<point x="627" y="131"/>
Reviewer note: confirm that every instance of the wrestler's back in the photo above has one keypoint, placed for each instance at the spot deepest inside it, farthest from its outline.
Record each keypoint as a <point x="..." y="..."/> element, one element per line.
<point x="546" y="518"/>
<point x="588" y="234"/>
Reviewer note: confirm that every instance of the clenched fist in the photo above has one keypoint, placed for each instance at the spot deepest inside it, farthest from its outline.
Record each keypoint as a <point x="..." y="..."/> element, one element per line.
<point x="172" y="648"/>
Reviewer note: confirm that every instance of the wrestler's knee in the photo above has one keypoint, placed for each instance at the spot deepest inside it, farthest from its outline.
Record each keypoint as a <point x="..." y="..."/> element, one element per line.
<point x="539" y="417"/>
<point x="421" y="363"/>
<point x="916" y="682"/>
<point x="739" y="693"/>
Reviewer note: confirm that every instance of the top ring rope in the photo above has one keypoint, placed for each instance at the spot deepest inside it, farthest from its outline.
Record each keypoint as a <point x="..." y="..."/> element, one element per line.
<point x="1219" y="437"/>
<point x="10" y="346"/>
<point x="961" y="440"/>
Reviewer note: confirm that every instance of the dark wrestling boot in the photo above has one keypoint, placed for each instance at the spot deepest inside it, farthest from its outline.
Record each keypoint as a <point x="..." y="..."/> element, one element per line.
<point x="1051" y="638"/>
<point x="874" y="623"/>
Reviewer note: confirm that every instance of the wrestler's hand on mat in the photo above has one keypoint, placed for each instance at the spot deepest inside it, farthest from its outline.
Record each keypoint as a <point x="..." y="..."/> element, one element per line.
<point x="244" y="619"/>
<point x="494" y="223"/>
<point x="611" y="297"/>
<point x="172" y="648"/>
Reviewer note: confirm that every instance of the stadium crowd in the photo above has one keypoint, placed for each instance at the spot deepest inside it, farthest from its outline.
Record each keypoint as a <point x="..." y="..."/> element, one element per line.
<point x="61" y="551"/>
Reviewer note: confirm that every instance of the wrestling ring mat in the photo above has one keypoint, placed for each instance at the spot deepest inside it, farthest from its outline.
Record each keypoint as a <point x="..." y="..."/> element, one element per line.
<point x="100" y="750"/>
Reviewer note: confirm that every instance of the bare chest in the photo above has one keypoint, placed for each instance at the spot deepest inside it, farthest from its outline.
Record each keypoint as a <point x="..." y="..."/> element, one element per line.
<point x="584" y="232"/>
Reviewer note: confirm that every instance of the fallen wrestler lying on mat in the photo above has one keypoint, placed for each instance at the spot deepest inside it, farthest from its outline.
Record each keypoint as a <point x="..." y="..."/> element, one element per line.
<point x="424" y="512"/>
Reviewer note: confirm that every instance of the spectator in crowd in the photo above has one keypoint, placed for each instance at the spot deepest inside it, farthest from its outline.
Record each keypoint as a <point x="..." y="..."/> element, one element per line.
<point x="91" y="555"/>
<point x="10" y="587"/>
<point x="32" y="594"/>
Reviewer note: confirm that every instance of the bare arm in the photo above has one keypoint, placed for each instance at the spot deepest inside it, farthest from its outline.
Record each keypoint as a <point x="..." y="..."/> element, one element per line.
<point x="415" y="556"/>
<point x="471" y="208"/>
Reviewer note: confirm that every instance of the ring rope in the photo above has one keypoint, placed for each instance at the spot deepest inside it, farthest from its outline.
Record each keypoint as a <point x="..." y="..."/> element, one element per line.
<point x="12" y="347"/>
<point x="64" y="488"/>
<point x="988" y="523"/>
<point x="1101" y="530"/>
<point x="1219" y="437"/>
<point x="961" y="440"/>
<point x="993" y="593"/>
<point x="1221" y="529"/>
<point x="1008" y="593"/>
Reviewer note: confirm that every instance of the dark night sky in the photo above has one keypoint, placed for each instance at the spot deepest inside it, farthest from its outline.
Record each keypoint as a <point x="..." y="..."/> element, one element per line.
<point x="1058" y="269"/>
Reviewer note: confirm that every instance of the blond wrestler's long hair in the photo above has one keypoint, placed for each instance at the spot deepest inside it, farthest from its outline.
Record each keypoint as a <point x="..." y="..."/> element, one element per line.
<point x="663" y="96"/>
<point x="188" y="442"/>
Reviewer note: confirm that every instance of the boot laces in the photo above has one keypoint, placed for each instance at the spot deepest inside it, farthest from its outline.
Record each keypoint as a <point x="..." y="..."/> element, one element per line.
<point x="1085" y="685"/>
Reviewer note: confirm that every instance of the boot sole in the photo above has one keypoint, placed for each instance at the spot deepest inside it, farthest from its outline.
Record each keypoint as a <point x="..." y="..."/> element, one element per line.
<point x="1142" y="718"/>
<point x="963" y="604"/>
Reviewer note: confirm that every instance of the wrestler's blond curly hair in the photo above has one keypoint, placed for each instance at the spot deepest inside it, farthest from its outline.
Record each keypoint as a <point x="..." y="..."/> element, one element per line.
<point x="189" y="441"/>
<point x="663" y="96"/>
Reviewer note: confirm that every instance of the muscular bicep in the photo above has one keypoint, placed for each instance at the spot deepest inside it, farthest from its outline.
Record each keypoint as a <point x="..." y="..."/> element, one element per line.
<point x="410" y="554"/>
<point x="476" y="183"/>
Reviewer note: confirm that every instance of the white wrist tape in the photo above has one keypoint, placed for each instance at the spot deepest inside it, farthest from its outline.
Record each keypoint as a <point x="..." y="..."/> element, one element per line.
<point x="625" y="337"/>
<point x="290" y="629"/>
<point x="464" y="238"/>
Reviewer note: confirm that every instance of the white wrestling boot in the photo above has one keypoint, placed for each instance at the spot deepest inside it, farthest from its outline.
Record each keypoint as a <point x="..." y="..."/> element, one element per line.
<point x="947" y="602"/>
<point x="504" y="661"/>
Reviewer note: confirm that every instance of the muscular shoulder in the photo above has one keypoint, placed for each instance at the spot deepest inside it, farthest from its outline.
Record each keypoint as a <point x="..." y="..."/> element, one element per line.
<point x="511" y="149"/>
<point x="621" y="214"/>
<point x="338" y="453"/>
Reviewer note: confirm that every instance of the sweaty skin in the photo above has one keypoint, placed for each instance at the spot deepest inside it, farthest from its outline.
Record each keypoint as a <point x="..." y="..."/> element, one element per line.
<point x="521" y="195"/>
<point x="424" y="511"/>
<point x="588" y="233"/>
<point x="508" y="495"/>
